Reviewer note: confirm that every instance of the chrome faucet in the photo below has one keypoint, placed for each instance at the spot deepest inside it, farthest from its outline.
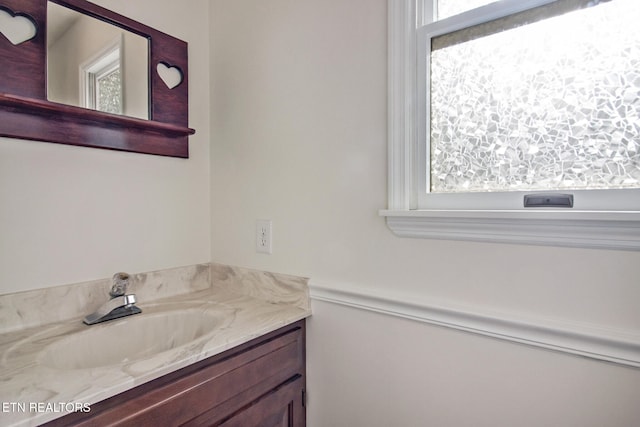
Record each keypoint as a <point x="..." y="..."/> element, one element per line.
<point x="121" y="304"/>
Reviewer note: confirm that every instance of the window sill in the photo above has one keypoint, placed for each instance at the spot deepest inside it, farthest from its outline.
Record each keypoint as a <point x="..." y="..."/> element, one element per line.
<point x="582" y="229"/>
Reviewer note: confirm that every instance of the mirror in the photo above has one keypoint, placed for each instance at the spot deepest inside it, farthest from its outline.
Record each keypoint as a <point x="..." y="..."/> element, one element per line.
<point x="96" y="65"/>
<point x="43" y="97"/>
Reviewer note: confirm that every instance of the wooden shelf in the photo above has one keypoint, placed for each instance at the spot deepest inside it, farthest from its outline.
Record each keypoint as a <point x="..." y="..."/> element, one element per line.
<point x="37" y="106"/>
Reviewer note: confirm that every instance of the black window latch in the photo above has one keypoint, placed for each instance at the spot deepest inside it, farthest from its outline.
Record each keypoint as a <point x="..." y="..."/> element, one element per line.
<point x="548" y="201"/>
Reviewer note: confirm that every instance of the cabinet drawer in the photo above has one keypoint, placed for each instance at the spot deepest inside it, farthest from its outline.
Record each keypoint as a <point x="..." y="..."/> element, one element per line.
<point x="210" y="390"/>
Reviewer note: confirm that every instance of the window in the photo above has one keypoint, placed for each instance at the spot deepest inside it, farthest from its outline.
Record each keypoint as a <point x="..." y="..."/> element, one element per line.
<point x="101" y="80"/>
<point x="448" y="8"/>
<point x="512" y="99"/>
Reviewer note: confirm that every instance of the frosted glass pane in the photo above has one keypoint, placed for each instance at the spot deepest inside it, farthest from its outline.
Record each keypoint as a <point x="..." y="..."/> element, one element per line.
<point x="447" y="8"/>
<point x="110" y="92"/>
<point x="554" y="104"/>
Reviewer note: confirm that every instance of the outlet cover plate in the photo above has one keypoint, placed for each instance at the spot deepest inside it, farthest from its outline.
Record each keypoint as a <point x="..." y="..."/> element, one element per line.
<point x="263" y="236"/>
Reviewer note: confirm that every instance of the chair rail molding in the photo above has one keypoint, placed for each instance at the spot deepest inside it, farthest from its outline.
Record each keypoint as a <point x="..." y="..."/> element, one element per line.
<point x="594" y="342"/>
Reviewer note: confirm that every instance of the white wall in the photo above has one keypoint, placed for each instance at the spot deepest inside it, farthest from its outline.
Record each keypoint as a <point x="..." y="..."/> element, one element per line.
<point x="70" y="214"/>
<point x="372" y="370"/>
<point x="299" y="137"/>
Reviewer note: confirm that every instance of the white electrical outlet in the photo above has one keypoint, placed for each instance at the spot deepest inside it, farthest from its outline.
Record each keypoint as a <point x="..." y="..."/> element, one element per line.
<point x="263" y="236"/>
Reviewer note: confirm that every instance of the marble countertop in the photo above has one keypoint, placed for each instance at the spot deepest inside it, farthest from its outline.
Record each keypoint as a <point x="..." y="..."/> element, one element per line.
<point x="33" y="391"/>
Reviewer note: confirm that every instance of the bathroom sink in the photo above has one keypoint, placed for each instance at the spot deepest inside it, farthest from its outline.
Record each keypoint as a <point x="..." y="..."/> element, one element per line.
<point x="130" y="339"/>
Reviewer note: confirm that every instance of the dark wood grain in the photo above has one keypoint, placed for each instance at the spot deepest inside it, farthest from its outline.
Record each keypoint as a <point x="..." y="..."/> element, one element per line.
<point x="281" y="407"/>
<point x="26" y="113"/>
<point x="22" y="67"/>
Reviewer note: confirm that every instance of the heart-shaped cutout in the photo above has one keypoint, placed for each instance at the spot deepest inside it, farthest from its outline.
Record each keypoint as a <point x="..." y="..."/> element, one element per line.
<point x="16" y="28"/>
<point x="171" y="76"/>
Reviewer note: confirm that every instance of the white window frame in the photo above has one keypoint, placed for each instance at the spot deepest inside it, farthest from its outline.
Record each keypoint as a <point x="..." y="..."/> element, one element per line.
<point x="588" y="228"/>
<point x="104" y="62"/>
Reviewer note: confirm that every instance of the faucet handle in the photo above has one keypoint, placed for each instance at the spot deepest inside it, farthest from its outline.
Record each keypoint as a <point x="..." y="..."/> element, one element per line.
<point x="120" y="284"/>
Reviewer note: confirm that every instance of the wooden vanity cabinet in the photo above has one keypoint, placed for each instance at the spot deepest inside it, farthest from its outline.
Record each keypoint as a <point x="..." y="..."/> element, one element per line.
<point x="259" y="383"/>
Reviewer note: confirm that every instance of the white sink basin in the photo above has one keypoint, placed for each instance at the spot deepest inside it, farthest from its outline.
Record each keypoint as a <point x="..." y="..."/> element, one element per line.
<point x="131" y="338"/>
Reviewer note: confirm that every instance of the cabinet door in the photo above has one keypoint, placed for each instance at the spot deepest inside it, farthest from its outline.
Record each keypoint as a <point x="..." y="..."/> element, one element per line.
<point x="282" y="407"/>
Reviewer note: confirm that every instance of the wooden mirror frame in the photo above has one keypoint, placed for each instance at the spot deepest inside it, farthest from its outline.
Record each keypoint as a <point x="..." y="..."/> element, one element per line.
<point x="26" y="113"/>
